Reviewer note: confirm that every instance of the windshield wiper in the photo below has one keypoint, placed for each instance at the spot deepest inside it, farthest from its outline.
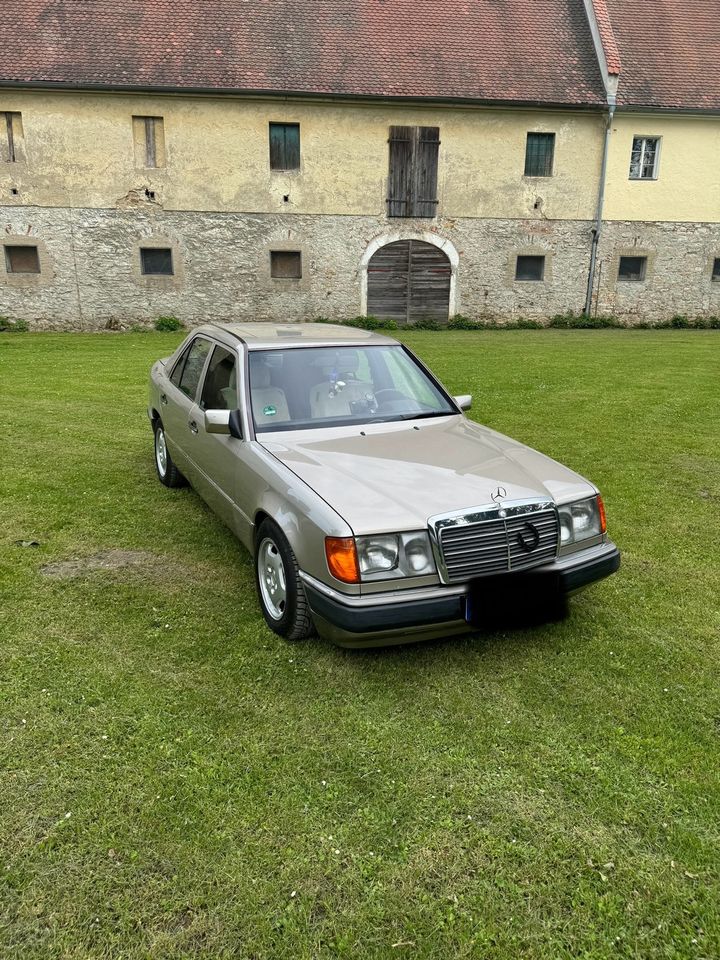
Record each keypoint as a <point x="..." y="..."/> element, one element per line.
<point x="424" y="416"/>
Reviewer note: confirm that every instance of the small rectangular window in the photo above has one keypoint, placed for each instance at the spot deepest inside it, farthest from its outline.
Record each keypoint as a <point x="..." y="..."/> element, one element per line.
<point x="10" y="133"/>
<point x="149" y="136"/>
<point x="284" y="146"/>
<point x="716" y="269"/>
<point x="156" y="261"/>
<point x="22" y="259"/>
<point x="644" y="158"/>
<point x="286" y="265"/>
<point x="539" y="154"/>
<point x="632" y="268"/>
<point x="530" y="268"/>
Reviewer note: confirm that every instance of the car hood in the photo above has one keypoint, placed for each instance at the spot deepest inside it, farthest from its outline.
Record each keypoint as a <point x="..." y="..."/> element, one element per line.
<point x="394" y="476"/>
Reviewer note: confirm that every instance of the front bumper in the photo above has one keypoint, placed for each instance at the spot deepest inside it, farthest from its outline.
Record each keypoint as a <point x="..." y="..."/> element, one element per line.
<point x="405" y="616"/>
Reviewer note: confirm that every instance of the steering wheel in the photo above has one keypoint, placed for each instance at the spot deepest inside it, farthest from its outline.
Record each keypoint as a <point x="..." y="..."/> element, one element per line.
<point x="396" y="394"/>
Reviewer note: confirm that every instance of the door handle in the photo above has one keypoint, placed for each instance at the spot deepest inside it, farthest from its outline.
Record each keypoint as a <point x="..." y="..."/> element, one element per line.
<point x="163" y="398"/>
<point x="193" y="426"/>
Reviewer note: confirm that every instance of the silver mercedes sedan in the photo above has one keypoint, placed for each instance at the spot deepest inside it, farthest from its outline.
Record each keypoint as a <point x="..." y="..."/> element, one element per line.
<point x="375" y="511"/>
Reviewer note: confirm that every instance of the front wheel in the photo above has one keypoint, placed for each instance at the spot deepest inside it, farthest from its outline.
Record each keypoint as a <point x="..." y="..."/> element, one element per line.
<point x="167" y="472"/>
<point x="280" y="590"/>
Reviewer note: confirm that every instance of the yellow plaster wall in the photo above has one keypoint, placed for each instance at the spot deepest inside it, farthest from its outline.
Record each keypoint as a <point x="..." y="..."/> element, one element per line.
<point x="688" y="184"/>
<point x="80" y="152"/>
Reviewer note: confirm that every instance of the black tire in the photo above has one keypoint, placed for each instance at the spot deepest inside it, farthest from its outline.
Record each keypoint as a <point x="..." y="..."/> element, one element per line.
<point x="288" y="614"/>
<point x="166" y="470"/>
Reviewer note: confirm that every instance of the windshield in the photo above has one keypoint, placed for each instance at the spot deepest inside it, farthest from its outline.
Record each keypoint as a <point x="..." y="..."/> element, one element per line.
<point x="307" y="387"/>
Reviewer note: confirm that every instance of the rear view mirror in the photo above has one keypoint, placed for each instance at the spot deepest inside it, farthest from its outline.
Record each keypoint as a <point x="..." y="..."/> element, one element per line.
<point x="464" y="401"/>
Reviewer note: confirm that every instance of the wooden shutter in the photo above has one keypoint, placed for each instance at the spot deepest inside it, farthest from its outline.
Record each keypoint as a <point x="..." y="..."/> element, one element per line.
<point x="412" y="179"/>
<point x="400" y="179"/>
<point x="426" y="171"/>
<point x="284" y="146"/>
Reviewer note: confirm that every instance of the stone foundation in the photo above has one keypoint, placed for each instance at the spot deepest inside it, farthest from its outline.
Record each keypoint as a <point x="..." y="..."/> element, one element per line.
<point x="91" y="275"/>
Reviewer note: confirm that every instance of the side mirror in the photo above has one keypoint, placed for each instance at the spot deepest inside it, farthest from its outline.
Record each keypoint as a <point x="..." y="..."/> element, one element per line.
<point x="224" y="422"/>
<point x="217" y="421"/>
<point x="235" y="424"/>
<point x="464" y="401"/>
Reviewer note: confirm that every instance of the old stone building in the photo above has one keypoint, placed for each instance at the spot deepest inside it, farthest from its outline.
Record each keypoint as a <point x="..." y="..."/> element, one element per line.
<point x="254" y="159"/>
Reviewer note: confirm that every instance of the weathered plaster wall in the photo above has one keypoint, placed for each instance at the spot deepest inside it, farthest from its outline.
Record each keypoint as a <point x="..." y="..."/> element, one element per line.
<point x="91" y="266"/>
<point x="79" y="152"/>
<point x="687" y="188"/>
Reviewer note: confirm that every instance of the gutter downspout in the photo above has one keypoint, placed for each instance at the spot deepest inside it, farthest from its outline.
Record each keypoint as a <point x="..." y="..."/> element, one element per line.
<point x="597" y="229"/>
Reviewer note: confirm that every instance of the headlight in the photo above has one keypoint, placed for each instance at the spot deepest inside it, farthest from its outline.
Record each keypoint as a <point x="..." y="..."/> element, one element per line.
<point x="377" y="554"/>
<point x="581" y="520"/>
<point x="387" y="556"/>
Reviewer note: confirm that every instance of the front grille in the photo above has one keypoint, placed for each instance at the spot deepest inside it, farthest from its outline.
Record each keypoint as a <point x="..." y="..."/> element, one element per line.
<point x="496" y="546"/>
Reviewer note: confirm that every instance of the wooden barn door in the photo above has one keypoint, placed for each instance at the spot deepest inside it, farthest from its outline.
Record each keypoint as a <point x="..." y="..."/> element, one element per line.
<point x="408" y="281"/>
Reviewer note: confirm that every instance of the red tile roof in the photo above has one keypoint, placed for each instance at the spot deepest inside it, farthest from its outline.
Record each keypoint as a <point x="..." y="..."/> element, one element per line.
<point x="607" y="36"/>
<point x="490" y="50"/>
<point x="670" y="52"/>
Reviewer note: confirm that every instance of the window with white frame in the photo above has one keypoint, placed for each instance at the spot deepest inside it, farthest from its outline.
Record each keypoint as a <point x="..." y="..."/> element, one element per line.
<point x="644" y="158"/>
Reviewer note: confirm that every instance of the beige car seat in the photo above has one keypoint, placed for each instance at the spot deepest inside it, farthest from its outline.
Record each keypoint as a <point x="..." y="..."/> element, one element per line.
<point x="269" y="403"/>
<point x="229" y="393"/>
<point x="333" y="397"/>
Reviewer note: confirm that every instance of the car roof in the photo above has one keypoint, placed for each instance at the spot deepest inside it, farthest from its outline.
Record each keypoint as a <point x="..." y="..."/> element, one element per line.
<point x="259" y="335"/>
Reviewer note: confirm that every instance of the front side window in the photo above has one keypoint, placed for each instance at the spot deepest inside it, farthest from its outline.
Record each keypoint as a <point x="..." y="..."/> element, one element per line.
<point x="311" y="387"/>
<point x="156" y="261"/>
<point x="413" y="173"/>
<point x="22" y="259"/>
<point x="193" y="367"/>
<point x="219" y="390"/>
<point x="644" y="158"/>
<point x="284" y="146"/>
<point x="632" y="268"/>
<point x="539" y="154"/>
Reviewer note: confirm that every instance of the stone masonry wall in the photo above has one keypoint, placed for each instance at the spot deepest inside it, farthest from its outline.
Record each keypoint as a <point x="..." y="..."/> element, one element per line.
<point x="91" y="276"/>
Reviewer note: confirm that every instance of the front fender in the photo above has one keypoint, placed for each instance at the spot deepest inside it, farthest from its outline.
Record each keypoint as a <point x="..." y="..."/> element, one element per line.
<point x="305" y="519"/>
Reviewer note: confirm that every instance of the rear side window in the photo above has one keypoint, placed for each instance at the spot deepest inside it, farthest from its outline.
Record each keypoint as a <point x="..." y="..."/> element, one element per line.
<point x="192" y="368"/>
<point x="220" y="387"/>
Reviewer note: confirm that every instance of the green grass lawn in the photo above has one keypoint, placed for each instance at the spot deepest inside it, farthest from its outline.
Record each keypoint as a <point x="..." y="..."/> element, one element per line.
<point x="176" y="781"/>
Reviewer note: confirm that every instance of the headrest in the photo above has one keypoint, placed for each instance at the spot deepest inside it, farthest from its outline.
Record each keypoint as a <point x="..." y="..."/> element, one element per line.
<point x="259" y="373"/>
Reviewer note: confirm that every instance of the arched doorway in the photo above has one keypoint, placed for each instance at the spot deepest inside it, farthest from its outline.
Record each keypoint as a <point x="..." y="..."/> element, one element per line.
<point x="409" y="280"/>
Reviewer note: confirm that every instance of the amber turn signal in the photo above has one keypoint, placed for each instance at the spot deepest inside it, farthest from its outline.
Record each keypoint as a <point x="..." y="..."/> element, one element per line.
<point x="342" y="559"/>
<point x="603" y="518"/>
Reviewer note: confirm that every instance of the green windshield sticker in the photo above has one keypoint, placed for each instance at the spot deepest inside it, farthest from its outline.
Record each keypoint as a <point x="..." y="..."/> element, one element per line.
<point x="269" y="410"/>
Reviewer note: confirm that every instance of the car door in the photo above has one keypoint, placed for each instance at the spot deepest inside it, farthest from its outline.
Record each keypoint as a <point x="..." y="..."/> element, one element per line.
<point x="177" y="402"/>
<point x="223" y="462"/>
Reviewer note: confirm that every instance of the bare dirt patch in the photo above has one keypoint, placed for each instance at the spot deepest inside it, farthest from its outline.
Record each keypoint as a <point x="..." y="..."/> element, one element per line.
<point x="103" y="560"/>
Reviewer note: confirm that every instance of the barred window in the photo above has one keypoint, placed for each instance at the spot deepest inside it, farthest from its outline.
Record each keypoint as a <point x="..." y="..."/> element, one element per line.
<point x="539" y="154"/>
<point x="644" y="158"/>
<point x="156" y="261"/>
<point x="286" y="264"/>
<point x="632" y="268"/>
<point x="22" y="259"/>
<point x="530" y="268"/>
<point x="716" y="269"/>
